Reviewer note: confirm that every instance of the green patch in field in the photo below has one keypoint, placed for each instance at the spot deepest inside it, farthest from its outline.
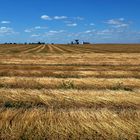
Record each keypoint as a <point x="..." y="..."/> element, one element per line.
<point x="120" y="86"/>
<point x="67" y="85"/>
<point x="26" y="105"/>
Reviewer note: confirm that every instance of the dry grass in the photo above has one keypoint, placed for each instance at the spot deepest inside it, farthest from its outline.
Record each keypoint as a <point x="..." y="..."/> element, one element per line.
<point x="77" y="83"/>
<point x="61" y="92"/>
<point x="69" y="124"/>
<point x="65" y="99"/>
<point x="11" y="72"/>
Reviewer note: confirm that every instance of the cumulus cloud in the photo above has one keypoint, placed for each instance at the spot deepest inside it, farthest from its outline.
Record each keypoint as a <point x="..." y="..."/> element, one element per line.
<point x="89" y="31"/>
<point x="7" y="31"/>
<point x="5" y="22"/>
<point x="40" y="27"/>
<point x="54" y="33"/>
<point x="121" y="25"/>
<point x="35" y="35"/>
<point x="46" y="17"/>
<point x="60" y="17"/>
<point x="105" y="32"/>
<point x="114" y="22"/>
<point x="27" y="31"/>
<point x="72" y="24"/>
<point x="117" y="23"/>
<point x="35" y="28"/>
<point x="60" y="31"/>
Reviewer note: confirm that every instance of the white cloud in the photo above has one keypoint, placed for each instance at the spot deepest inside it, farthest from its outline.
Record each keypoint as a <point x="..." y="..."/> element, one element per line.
<point x="5" y="22"/>
<point x="105" y="32"/>
<point x="35" y="28"/>
<point x="46" y="17"/>
<point x="27" y="31"/>
<point x="40" y="27"/>
<point x="89" y="31"/>
<point x="60" y="17"/>
<point x="117" y="23"/>
<point x="55" y="32"/>
<point x="7" y="31"/>
<point x="35" y="35"/>
<point x="114" y="22"/>
<point x="72" y="24"/>
<point x="52" y="31"/>
<point x="121" y="25"/>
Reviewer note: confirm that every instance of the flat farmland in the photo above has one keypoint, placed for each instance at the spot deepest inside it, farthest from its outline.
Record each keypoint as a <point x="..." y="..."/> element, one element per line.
<point x="70" y="92"/>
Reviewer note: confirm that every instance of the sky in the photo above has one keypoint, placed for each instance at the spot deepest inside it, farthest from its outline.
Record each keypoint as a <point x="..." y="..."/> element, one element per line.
<point x="62" y="21"/>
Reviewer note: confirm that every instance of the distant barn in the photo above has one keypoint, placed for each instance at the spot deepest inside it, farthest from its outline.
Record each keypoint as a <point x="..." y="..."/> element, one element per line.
<point x="86" y="42"/>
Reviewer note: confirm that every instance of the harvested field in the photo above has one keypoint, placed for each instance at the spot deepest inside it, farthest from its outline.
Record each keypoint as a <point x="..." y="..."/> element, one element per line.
<point x="70" y="92"/>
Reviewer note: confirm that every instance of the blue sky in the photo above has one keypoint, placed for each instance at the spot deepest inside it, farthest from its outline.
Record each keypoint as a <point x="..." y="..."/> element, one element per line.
<point x="60" y="21"/>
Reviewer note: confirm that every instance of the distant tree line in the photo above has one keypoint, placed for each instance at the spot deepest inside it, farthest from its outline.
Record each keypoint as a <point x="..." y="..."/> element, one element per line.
<point x="39" y="43"/>
<point x="11" y="43"/>
<point x="76" y="41"/>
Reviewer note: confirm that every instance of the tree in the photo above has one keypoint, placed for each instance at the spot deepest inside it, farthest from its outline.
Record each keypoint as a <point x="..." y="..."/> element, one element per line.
<point x="72" y="42"/>
<point x="39" y="43"/>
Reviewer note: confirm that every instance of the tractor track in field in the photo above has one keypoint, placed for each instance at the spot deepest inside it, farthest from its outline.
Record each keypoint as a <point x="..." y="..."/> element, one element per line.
<point x="27" y="48"/>
<point x="41" y="49"/>
<point x="66" y="49"/>
<point x="51" y="49"/>
<point x="63" y="48"/>
<point x="77" y="49"/>
<point x="58" y="49"/>
<point x="32" y="49"/>
<point x="55" y="49"/>
<point x="82" y="49"/>
<point x="10" y="49"/>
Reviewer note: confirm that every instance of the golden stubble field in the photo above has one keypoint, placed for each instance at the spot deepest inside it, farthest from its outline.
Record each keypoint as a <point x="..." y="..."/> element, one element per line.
<point x="61" y="92"/>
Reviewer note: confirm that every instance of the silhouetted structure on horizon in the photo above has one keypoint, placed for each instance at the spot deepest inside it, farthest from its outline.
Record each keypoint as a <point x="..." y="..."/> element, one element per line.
<point x="77" y="41"/>
<point x="86" y="42"/>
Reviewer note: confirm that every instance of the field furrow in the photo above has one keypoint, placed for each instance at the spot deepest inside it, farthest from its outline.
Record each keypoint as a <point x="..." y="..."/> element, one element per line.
<point x="41" y="49"/>
<point x="72" y="83"/>
<point x="96" y="99"/>
<point x="59" y="50"/>
<point x="32" y="49"/>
